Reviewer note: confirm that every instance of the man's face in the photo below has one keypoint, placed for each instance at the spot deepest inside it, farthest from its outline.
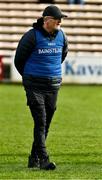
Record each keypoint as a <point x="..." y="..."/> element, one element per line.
<point x="52" y="23"/>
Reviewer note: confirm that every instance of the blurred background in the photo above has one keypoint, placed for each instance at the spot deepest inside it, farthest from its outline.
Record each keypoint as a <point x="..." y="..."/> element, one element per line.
<point x="83" y="28"/>
<point x="75" y="139"/>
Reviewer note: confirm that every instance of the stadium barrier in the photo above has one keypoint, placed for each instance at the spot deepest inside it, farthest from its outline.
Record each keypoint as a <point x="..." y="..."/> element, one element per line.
<point x="83" y="69"/>
<point x="77" y="68"/>
<point x="1" y="69"/>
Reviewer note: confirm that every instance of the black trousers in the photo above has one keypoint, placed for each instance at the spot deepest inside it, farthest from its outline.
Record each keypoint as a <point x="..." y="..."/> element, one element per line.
<point x="42" y="105"/>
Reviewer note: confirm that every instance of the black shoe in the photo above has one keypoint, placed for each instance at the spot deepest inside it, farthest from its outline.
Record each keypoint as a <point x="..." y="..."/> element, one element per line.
<point x="47" y="165"/>
<point x="33" y="162"/>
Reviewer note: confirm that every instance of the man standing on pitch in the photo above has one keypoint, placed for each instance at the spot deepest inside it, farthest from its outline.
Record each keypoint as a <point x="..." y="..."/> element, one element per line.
<point x="38" y="59"/>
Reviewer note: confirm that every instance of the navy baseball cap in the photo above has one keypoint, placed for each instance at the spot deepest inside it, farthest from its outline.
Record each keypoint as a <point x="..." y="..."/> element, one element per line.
<point x="53" y="11"/>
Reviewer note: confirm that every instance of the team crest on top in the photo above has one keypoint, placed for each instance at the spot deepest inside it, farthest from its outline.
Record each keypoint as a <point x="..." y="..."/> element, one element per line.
<point x="51" y="44"/>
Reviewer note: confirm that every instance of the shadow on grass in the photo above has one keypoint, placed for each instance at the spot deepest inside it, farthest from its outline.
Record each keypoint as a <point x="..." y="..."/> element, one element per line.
<point x="14" y="162"/>
<point x="82" y="158"/>
<point x="14" y="154"/>
<point x="84" y="154"/>
<point x="18" y="162"/>
<point x="59" y="154"/>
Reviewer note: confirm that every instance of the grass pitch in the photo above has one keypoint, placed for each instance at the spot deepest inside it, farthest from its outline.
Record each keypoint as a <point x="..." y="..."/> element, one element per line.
<point x="74" y="141"/>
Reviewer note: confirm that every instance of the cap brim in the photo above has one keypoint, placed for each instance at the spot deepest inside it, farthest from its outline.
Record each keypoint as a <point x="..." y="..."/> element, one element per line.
<point x="63" y="16"/>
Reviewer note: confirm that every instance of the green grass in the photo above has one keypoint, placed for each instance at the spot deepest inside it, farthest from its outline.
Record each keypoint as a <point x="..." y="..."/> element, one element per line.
<point x="74" y="141"/>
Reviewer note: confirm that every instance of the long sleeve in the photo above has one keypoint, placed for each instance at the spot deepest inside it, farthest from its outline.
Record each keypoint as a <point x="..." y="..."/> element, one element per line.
<point x="65" y="48"/>
<point x="24" y="49"/>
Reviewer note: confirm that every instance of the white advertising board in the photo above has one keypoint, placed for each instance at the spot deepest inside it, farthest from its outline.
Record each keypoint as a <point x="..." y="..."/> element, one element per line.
<point x="82" y="69"/>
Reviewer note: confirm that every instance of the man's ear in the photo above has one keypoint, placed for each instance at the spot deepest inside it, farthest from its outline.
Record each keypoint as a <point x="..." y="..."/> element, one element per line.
<point x="47" y="18"/>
